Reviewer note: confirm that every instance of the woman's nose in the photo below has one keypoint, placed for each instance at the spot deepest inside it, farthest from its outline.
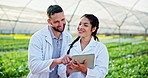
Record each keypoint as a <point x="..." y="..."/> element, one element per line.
<point x="80" y="26"/>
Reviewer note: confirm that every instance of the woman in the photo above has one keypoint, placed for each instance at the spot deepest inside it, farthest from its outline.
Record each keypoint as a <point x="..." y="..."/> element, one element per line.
<point x="86" y="43"/>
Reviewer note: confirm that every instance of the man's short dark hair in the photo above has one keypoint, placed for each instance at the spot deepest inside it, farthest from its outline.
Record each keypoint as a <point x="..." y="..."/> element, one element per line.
<point x="52" y="9"/>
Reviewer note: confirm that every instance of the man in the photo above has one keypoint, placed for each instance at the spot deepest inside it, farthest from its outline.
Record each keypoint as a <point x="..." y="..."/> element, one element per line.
<point x="46" y="46"/>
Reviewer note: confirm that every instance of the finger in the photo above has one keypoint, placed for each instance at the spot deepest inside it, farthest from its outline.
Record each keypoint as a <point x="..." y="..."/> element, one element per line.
<point x="78" y="63"/>
<point x="85" y="62"/>
<point x="65" y="61"/>
<point x="70" y="57"/>
<point x="74" y="65"/>
<point x="68" y="60"/>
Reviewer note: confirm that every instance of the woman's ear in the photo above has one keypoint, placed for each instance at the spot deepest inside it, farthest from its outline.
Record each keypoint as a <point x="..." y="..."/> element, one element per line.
<point x="93" y="29"/>
<point x="49" y="22"/>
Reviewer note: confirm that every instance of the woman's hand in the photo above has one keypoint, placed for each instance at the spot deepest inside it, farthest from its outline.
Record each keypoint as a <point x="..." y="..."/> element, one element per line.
<point x="79" y="67"/>
<point x="68" y="69"/>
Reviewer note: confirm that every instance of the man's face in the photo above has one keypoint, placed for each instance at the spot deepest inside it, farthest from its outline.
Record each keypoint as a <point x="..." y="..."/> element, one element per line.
<point x="57" y="21"/>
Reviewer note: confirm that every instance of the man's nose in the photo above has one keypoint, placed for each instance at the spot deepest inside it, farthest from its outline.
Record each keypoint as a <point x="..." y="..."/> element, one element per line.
<point x="60" y="23"/>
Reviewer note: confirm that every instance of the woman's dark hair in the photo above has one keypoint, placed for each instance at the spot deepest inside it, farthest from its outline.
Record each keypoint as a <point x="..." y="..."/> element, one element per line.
<point x="94" y="22"/>
<point x="71" y="45"/>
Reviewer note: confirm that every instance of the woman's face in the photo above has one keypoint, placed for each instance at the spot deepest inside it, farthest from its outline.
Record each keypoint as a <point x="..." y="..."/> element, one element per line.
<point x="84" y="28"/>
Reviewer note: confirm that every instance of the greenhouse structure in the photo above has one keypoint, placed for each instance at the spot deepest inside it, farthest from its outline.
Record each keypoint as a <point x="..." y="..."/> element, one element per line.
<point x="28" y="16"/>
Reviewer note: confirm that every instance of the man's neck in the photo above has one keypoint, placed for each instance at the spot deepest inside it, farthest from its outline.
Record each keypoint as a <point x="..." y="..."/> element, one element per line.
<point x="56" y="33"/>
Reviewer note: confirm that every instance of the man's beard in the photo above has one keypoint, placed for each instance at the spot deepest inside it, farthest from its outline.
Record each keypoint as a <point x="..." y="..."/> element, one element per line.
<point x="56" y="29"/>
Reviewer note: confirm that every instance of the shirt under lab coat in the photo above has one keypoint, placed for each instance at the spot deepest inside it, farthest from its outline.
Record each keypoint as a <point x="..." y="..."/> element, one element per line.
<point x="40" y="53"/>
<point x="101" y="61"/>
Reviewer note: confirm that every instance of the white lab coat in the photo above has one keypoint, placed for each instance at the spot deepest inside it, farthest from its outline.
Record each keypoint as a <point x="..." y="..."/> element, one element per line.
<point x="101" y="61"/>
<point x="40" y="53"/>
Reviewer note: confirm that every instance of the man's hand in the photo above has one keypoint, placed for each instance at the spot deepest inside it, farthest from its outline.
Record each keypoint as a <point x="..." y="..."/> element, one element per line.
<point x="62" y="60"/>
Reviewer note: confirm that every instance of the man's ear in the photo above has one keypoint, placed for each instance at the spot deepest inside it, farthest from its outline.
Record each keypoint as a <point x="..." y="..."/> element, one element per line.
<point x="49" y="22"/>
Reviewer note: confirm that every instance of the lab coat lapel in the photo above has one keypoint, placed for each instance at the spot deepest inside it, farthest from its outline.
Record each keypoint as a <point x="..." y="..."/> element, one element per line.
<point x="90" y="46"/>
<point x="77" y="47"/>
<point x="64" y="41"/>
<point x="48" y="35"/>
<point x="48" y="38"/>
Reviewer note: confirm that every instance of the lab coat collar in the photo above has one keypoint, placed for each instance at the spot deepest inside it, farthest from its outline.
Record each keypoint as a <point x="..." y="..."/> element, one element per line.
<point x="91" y="45"/>
<point x="47" y="34"/>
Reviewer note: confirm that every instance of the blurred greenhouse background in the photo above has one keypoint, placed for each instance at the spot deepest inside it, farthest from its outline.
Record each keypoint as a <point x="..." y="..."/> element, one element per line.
<point x="123" y="29"/>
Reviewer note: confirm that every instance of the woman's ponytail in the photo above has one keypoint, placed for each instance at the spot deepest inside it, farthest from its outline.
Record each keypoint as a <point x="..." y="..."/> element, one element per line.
<point x="71" y="45"/>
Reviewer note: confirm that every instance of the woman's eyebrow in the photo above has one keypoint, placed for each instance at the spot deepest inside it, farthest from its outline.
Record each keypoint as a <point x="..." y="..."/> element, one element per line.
<point x="85" y="23"/>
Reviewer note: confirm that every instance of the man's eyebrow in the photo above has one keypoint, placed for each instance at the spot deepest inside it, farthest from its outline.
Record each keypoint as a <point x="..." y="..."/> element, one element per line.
<point x="56" y="21"/>
<point x="63" y="18"/>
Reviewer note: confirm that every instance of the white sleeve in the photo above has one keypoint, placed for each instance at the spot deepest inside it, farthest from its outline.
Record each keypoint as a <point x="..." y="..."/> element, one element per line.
<point x="101" y="64"/>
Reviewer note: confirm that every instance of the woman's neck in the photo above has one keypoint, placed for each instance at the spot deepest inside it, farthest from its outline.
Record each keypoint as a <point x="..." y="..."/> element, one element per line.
<point x="84" y="42"/>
